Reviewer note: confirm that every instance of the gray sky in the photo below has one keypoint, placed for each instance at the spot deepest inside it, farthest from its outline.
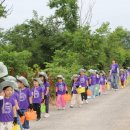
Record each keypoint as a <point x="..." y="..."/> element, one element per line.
<point x="115" y="11"/>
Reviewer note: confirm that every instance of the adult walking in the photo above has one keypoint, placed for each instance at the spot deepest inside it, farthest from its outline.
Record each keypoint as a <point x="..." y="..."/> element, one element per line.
<point x="114" y="73"/>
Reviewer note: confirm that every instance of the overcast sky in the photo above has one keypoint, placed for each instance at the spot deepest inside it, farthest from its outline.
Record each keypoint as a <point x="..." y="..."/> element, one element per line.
<point x="117" y="12"/>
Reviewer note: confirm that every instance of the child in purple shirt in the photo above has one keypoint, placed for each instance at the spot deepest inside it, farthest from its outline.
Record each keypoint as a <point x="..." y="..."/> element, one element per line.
<point x="38" y="96"/>
<point x="76" y="98"/>
<point x="61" y="90"/>
<point x="122" y="78"/>
<point x="93" y="82"/>
<point x="46" y="87"/>
<point x="102" y="83"/>
<point x="7" y="106"/>
<point x="83" y="80"/>
<point x="25" y="95"/>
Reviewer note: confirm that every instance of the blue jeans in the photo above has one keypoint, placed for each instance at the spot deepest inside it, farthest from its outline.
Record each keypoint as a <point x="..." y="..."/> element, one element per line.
<point x="114" y="80"/>
<point x="97" y="90"/>
<point x="93" y="89"/>
<point x="26" y="123"/>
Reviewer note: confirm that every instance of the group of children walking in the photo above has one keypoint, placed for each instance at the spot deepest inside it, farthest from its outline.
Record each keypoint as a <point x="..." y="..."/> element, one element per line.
<point x="16" y="97"/>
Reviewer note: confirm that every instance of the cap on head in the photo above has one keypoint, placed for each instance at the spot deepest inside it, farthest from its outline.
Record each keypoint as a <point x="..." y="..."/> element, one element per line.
<point x="74" y="76"/>
<point x="38" y="80"/>
<point x="43" y="74"/>
<point x="23" y="80"/>
<point x="7" y="84"/>
<point x="82" y="70"/>
<point x="60" y="77"/>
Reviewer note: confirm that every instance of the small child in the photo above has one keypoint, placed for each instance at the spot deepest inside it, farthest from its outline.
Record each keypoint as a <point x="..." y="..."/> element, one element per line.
<point x="25" y="95"/>
<point x="46" y="87"/>
<point x="76" y="98"/>
<point x="8" y="115"/>
<point x="83" y="80"/>
<point x="61" y="90"/>
<point x="38" y="96"/>
<point x="122" y="78"/>
<point x="93" y="82"/>
<point x="102" y="82"/>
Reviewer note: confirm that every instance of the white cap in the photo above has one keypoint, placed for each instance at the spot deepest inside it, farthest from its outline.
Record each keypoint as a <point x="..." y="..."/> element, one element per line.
<point x="23" y="80"/>
<point x="60" y="76"/>
<point x="38" y="80"/>
<point x="43" y="74"/>
<point x="7" y="83"/>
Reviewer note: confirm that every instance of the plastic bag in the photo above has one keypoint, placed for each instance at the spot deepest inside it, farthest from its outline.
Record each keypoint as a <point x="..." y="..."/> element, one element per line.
<point x="16" y="127"/>
<point x="43" y="108"/>
<point x="30" y="115"/>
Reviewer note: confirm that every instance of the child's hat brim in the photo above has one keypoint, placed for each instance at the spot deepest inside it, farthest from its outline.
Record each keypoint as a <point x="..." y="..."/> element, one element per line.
<point x="6" y="84"/>
<point x="38" y="80"/>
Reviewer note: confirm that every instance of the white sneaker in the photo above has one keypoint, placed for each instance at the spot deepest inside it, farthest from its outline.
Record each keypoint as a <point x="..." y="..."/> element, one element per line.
<point x="87" y="101"/>
<point x="46" y="115"/>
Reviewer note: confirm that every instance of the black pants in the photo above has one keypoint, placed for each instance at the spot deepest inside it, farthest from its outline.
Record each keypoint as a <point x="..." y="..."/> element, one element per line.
<point x="37" y="108"/>
<point x="47" y="104"/>
<point x="84" y="95"/>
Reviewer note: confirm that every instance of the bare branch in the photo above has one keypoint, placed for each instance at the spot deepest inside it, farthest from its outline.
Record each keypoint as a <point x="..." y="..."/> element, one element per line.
<point x="2" y="2"/>
<point x="88" y="16"/>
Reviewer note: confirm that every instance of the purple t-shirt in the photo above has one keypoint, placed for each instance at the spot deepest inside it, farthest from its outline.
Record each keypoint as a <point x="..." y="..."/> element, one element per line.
<point x="45" y="86"/>
<point x="83" y="80"/>
<point x="6" y="110"/>
<point x="24" y="98"/>
<point x="61" y="88"/>
<point x="122" y="76"/>
<point x="16" y="97"/>
<point x="37" y="94"/>
<point x="74" y="86"/>
<point x="114" y="68"/>
<point x="94" y="79"/>
<point x="102" y="80"/>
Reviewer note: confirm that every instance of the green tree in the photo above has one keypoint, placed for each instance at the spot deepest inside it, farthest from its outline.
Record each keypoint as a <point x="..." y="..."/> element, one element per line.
<point x="67" y="10"/>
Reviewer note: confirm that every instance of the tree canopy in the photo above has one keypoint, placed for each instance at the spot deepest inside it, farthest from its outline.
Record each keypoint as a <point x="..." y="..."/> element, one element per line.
<point x="58" y="45"/>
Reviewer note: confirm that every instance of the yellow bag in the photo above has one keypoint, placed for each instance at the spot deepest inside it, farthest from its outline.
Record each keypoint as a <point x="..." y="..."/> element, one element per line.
<point x="16" y="127"/>
<point x="80" y="90"/>
<point x="108" y="86"/>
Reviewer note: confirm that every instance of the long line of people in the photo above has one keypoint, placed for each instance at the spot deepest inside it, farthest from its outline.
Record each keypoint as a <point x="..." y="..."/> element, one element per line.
<point x="16" y="97"/>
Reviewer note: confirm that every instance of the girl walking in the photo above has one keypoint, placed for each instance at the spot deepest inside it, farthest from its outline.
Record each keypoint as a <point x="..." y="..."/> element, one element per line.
<point x="61" y="90"/>
<point x="46" y="87"/>
<point x="76" y="98"/>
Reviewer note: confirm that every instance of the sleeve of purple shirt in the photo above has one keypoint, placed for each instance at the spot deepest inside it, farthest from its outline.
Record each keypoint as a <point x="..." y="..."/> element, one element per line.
<point x="29" y="93"/>
<point x="13" y="103"/>
<point x="47" y="84"/>
<point x="1" y="103"/>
